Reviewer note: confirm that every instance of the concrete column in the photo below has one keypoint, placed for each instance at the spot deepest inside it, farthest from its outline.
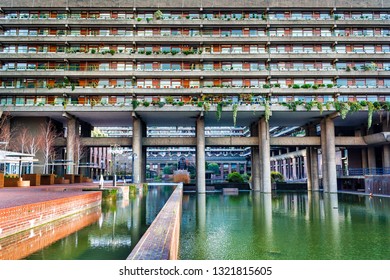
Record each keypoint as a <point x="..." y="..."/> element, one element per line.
<point x="386" y="156"/>
<point x="72" y="129"/>
<point x="364" y="158"/>
<point x="331" y="155"/>
<point x="308" y="165"/>
<point x="294" y="169"/>
<point x="265" y="155"/>
<point x="256" y="182"/>
<point x="371" y="157"/>
<point x="200" y="156"/>
<point x="137" y="149"/>
<point x="314" y="169"/>
<point x="255" y="169"/>
<point x="325" y="182"/>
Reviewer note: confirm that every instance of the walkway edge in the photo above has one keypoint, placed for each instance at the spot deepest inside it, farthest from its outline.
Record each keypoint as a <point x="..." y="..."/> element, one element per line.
<point x="161" y="240"/>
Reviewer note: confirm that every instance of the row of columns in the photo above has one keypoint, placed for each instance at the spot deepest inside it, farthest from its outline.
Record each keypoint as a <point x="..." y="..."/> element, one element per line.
<point x="261" y="156"/>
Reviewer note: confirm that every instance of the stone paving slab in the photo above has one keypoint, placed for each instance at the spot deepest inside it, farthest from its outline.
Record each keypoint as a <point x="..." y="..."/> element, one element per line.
<point x="11" y="197"/>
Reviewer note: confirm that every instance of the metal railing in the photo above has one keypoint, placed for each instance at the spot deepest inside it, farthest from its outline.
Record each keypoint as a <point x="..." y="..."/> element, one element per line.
<point x="362" y="171"/>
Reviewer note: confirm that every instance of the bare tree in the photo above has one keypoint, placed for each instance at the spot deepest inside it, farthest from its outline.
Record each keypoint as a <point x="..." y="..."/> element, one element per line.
<point x="47" y="136"/>
<point x="20" y="141"/>
<point x="79" y="152"/>
<point x="6" y="132"/>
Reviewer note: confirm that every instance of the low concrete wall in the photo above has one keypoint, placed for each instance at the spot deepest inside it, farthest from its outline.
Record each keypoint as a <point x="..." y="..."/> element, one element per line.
<point x="377" y="184"/>
<point x="24" y="217"/>
<point x="161" y="240"/>
<point x="23" y="244"/>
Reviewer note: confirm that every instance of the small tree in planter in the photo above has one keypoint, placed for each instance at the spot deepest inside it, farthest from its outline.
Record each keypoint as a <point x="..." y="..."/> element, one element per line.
<point x="235" y="177"/>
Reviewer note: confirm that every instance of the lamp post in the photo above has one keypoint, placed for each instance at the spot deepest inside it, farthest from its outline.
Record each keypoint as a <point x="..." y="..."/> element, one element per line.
<point x="115" y="150"/>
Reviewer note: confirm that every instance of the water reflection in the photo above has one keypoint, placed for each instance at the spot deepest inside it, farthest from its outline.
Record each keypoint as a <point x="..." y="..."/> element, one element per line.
<point x="285" y="226"/>
<point x="113" y="235"/>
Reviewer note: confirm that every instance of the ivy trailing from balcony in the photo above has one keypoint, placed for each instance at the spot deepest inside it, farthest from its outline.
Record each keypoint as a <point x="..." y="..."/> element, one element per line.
<point x="135" y="104"/>
<point x="267" y="110"/>
<point x="235" y="111"/>
<point x="219" y="110"/>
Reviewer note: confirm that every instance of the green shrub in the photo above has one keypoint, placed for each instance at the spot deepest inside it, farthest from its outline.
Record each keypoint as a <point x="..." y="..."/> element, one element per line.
<point x="235" y="177"/>
<point x="132" y="189"/>
<point x="276" y="177"/>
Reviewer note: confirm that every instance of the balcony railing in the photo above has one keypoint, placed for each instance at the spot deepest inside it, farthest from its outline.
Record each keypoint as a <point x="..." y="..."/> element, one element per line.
<point x="362" y="171"/>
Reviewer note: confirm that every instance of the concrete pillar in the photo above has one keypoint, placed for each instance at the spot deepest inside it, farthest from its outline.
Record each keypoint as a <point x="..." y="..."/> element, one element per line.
<point x="308" y="165"/>
<point x="137" y="150"/>
<point x="71" y="134"/>
<point x="265" y="155"/>
<point x="255" y="169"/>
<point x="325" y="182"/>
<point x="255" y="153"/>
<point x="331" y="155"/>
<point x="371" y="158"/>
<point x="200" y="156"/>
<point x="386" y="156"/>
<point x="364" y="158"/>
<point x="314" y="169"/>
<point x="294" y="169"/>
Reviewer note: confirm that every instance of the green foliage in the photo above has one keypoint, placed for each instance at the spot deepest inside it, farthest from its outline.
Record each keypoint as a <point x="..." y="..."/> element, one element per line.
<point x="219" y="111"/>
<point x="169" y="99"/>
<point x="214" y="167"/>
<point x="267" y="110"/>
<point x="235" y="111"/>
<point x="276" y="177"/>
<point x="146" y="103"/>
<point x="135" y="104"/>
<point x="168" y="169"/>
<point x="180" y="103"/>
<point x="235" y="177"/>
<point x="158" y="14"/>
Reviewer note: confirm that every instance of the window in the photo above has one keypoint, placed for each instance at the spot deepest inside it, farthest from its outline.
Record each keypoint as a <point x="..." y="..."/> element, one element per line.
<point x="208" y="66"/>
<point x="236" y="49"/>
<point x="237" y="66"/>
<point x="236" y="32"/>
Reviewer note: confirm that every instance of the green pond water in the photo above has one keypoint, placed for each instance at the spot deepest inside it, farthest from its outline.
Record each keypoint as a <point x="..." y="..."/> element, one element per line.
<point x="114" y="233"/>
<point x="289" y="226"/>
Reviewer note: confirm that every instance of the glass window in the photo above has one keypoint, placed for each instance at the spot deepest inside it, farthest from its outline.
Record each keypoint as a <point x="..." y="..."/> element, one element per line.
<point x="236" y="32"/>
<point x="165" y="66"/>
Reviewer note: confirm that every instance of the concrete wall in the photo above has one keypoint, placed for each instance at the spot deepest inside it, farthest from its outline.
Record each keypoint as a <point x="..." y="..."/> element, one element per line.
<point x="21" y="245"/>
<point x="21" y="218"/>
<point x="161" y="4"/>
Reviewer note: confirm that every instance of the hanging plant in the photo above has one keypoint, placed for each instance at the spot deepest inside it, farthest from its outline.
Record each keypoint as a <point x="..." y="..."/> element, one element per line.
<point x="135" y="104"/>
<point x="371" y="108"/>
<point x="219" y="111"/>
<point x="343" y="109"/>
<point x="206" y="106"/>
<point x="309" y="105"/>
<point x="320" y="107"/>
<point x="267" y="110"/>
<point x="354" y="106"/>
<point x="328" y="104"/>
<point x="235" y="111"/>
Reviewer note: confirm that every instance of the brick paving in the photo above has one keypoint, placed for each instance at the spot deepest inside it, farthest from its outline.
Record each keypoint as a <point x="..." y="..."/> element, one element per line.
<point x="11" y="197"/>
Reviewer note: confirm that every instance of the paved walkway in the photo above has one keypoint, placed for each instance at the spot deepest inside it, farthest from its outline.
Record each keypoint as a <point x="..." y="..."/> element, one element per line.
<point x="10" y="197"/>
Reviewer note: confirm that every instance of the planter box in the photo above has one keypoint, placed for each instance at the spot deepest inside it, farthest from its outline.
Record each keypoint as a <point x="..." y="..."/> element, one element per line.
<point x="69" y="177"/>
<point x="47" y="179"/>
<point x="78" y="178"/>
<point x="11" y="182"/>
<point x="59" y="180"/>
<point x="35" y="179"/>
<point x="1" y="180"/>
<point x="87" y="180"/>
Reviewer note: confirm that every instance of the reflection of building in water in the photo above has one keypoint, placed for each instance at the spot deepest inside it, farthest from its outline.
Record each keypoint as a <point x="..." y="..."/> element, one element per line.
<point x="23" y="244"/>
<point x="155" y="201"/>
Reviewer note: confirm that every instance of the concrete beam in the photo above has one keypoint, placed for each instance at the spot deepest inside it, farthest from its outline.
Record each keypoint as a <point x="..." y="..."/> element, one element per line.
<point x="377" y="138"/>
<point x="169" y="141"/>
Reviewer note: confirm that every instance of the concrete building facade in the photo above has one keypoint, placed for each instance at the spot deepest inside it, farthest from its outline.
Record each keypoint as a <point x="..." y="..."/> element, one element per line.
<point x="259" y="64"/>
